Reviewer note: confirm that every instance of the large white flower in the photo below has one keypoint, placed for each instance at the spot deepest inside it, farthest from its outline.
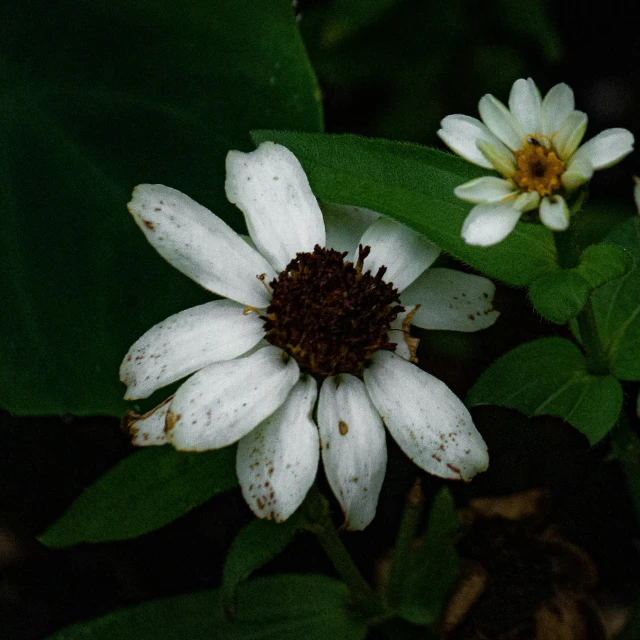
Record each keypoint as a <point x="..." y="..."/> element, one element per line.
<point x="318" y="310"/>
<point x="534" y="145"/>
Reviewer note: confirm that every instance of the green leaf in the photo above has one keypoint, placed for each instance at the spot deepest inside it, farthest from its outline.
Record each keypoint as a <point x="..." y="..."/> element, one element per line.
<point x="143" y="492"/>
<point x="549" y="377"/>
<point x="436" y="566"/>
<point x="414" y="184"/>
<point x="285" y="607"/>
<point x="255" y="545"/>
<point x="602" y="263"/>
<point x="617" y="307"/>
<point x="99" y="97"/>
<point x="560" y="294"/>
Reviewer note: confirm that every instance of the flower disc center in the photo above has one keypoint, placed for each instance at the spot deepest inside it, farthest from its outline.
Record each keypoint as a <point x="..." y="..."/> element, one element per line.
<point x="329" y="315"/>
<point x="539" y="168"/>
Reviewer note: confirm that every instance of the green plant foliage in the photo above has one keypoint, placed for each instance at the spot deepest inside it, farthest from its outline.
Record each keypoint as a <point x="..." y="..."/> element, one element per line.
<point x="602" y="263"/>
<point x="560" y="294"/>
<point x="414" y="184"/>
<point x="435" y="568"/>
<point x="255" y="545"/>
<point x="99" y="97"/>
<point x="549" y="377"/>
<point x="143" y="492"/>
<point x="285" y="607"/>
<point x="617" y="307"/>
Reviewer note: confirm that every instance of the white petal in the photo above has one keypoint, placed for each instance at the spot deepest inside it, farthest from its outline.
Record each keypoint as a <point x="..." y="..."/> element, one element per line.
<point x="224" y="401"/>
<point x="148" y="430"/>
<point x="500" y="157"/>
<point x="570" y="134"/>
<point x="451" y="300"/>
<point x="578" y="172"/>
<point x="462" y="133"/>
<point x="345" y="226"/>
<point x="282" y="214"/>
<point x="500" y="122"/>
<point x="488" y="224"/>
<point x="554" y="213"/>
<point x="486" y="189"/>
<point x="636" y="192"/>
<point x="556" y="106"/>
<point x="354" y="449"/>
<point x="277" y="462"/>
<point x="606" y="149"/>
<point x="400" y="330"/>
<point x="426" y="419"/>
<point x="404" y="252"/>
<point x="187" y="342"/>
<point x="527" y="201"/>
<point x="198" y="243"/>
<point x="524" y="104"/>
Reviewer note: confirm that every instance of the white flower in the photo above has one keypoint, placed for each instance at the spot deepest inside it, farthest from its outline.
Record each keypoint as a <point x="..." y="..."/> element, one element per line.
<point x="534" y="144"/>
<point x="296" y="316"/>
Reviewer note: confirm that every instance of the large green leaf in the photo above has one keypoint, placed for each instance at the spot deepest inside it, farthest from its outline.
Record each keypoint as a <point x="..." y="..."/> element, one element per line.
<point x="414" y="184"/>
<point x="435" y="568"/>
<point x="255" y="545"/>
<point x="617" y="307"/>
<point x="143" y="492"/>
<point x="549" y="376"/>
<point x="286" y="607"/>
<point x="96" y="98"/>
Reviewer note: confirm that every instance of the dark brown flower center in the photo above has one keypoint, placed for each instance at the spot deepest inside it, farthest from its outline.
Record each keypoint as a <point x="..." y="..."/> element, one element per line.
<point x="329" y="315"/>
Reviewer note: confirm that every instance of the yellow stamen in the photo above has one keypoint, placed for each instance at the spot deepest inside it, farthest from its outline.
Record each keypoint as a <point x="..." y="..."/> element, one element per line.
<point x="539" y="168"/>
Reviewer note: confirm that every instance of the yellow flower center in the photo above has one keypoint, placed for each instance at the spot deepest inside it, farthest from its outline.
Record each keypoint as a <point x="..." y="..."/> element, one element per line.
<point x="539" y="168"/>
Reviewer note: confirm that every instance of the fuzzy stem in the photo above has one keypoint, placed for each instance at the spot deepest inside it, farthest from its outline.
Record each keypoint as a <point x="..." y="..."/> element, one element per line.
<point x="568" y="258"/>
<point x="316" y="510"/>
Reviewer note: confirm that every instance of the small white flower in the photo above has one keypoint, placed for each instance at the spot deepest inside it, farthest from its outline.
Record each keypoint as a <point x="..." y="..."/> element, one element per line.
<point x="318" y="303"/>
<point x="534" y="144"/>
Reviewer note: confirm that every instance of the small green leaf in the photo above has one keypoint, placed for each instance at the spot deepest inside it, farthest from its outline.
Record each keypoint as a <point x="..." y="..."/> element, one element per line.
<point x="143" y="492"/>
<point x="559" y="295"/>
<point x="602" y="263"/>
<point x="414" y="184"/>
<point x="255" y="545"/>
<point x="436" y="566"/>
<point x="285" y="607"/>
<point x="617" y="307"/>
<point x="549" y="377"/>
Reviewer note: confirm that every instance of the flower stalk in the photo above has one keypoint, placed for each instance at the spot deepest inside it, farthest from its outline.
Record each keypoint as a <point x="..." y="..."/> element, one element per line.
<point x="318" y="517"/>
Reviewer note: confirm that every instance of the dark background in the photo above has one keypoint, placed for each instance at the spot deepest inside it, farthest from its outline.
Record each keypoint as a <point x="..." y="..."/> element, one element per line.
<point x="392" y="74"/>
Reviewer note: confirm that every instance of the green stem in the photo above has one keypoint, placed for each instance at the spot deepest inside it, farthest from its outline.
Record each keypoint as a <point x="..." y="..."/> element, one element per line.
<point x="413" y="507"/>
<point x="569" y="258"/>
<point x="316" y="510"/>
